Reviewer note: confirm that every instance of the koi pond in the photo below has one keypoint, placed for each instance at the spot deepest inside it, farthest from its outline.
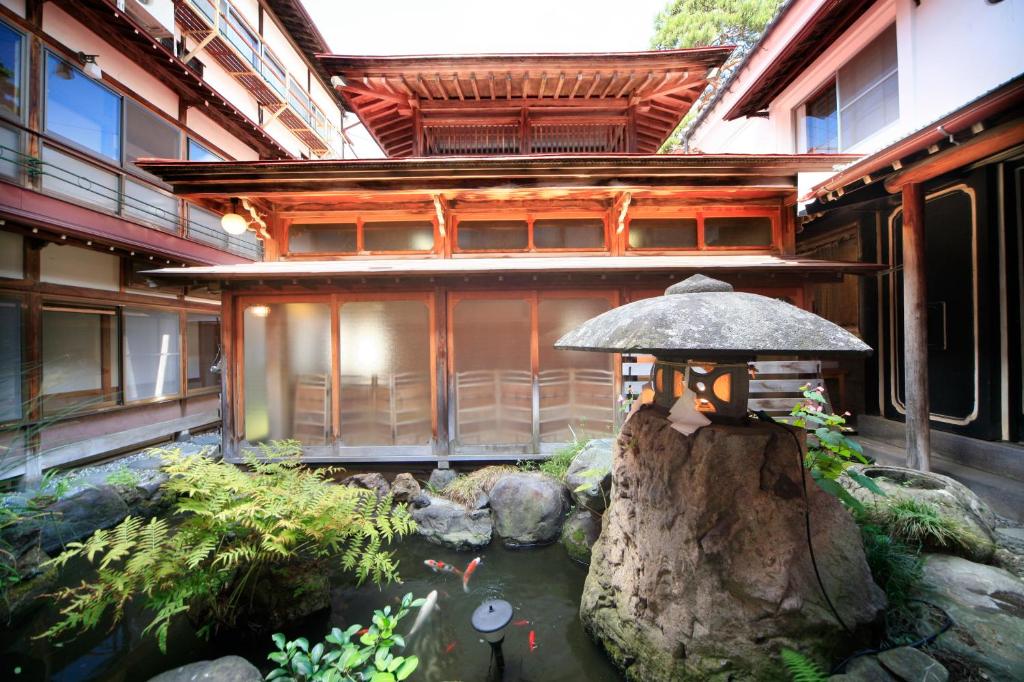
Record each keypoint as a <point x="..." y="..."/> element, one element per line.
<point x="543" y="585"/>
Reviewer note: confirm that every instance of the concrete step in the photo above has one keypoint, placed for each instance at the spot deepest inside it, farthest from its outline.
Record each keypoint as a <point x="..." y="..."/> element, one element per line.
<point x="1003" y="494"/>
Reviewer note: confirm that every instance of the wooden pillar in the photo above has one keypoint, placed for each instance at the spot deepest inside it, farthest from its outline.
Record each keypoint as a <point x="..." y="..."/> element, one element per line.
<point x="915" y="329"/>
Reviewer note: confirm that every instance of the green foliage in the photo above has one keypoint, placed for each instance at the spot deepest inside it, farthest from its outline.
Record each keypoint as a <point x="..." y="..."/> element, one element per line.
<point x="895" y="565"/>
<point x="830" y="453"/>
<point x="801" y="668"/>
<point x="340" y="658"/>
<point x="920" y="523"/>
<point x="557" y="464"/>
<point x="123" y="477"/>
<point x="235" y="526"/>
<point x="697" y="23"/>
<point x="52" y="487"/>
<point x="467" y="488"/>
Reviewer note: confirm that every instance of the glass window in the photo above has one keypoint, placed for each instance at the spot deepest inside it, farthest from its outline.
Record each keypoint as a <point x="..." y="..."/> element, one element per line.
<point x="204" y="226"/>
<point x="299" y="99"/>
<point x="81" y="110"/>
<point x="135" y="279"/>
<point x="406" y="235"/>
<point x="147" y="203"/>
<point x="72" y="177"/>
<point x="80" y="359"/>
<point x="152" y="354"/>
<point x="11" y="256"/>
<point x="10" y="70"/>
<point x="197" y="152"/>
<point x="77" y="267"/>
<point x="869" y="89"/>
<point x="743" y="231"/>
<point x="240" y="36"/>
<point x="493" y="380"/>
<point x="493" y="235"/>
<point x="822" y="121"/>
<point x="10" y="360"/>
<point x="11" y="157"/>
<point x="577" y="388"/>
<point x="148" y="135"/>
<point x="322" y="238"/>
<point x="663" y="233"/>
<point x="568" y="233"/>
<point x="385" y="373"/>
<point x="287" y="372"/>
<point x="202" y="338"/>
<point x="273" y="72"/>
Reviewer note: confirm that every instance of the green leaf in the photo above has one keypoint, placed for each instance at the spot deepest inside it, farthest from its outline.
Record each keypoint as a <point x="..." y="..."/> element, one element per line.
<point x="302" y="643"/>
<point x="833" y="488"/>
<point x="409" y="664"/>
<point x="279" y="639"/>
<point x="865" y="482"/>
<point x="317" y="653"/>
<point x="398" y="640"/>
<point x="382" y="677"/>
<point x="302" y="664"/>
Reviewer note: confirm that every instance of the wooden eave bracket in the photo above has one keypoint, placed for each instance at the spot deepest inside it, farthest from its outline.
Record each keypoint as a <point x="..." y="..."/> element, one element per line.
<point x="621" y="209"/>
<point x="441" y="207"/>
<point x="261" y="225"/>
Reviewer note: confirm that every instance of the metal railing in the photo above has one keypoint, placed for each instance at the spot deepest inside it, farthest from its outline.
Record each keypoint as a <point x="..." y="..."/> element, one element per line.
<point x="222" y="31"/>
<point x="67" y="174"/>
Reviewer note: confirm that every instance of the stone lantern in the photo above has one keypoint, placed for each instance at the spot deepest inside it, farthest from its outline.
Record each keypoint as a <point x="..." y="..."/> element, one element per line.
<point x="704" y="336"/>
<point x="703" y="569"/>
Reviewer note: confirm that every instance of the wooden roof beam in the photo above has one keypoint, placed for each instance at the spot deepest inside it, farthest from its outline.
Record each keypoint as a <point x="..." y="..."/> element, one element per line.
<point x="576" y="85"/>
<point x="476" y="88"/>
<point x="440" y="86"/>
<point x="422" y="84"/>
<point x="543" y="83"/>
<point x="458" y="87"/>
<point x="561" y="82"/>
<point x="490" y="85"/>
<point x="608" y="88"/>
<point x="526" y="83"/>
<point x="593" y="85"/>
<point x="508" y="86"/>
<point x="625" y="88"/>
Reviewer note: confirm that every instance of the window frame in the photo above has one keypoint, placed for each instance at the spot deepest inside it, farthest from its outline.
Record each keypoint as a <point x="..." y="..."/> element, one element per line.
<point x="700" y="214"/>
<point x="832" y="81"/>
<point x="359" y="219"/>
<point x="129" y="166"/>
<point x="22" y="71"/>
<point x="119" y="162"/>
<point x="530" y="218"/>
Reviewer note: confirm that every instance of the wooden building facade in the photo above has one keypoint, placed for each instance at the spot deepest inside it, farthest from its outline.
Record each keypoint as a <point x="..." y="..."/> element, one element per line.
<point x="408" y="306"/>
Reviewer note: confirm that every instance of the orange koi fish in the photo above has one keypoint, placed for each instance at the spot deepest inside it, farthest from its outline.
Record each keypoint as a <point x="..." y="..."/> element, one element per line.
<point x="362" y="632"/>
<point x="468" y="572"/>
<point x="520" y="623"/>
<point x="450" y="648"/>
<point x="533" y="640"/>
<point x="442" y="567"/>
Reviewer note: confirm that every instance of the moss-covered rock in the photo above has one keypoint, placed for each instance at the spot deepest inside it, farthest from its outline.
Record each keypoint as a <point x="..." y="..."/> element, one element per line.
<point x="529" y="508"/>
<point x="579" y="534"/>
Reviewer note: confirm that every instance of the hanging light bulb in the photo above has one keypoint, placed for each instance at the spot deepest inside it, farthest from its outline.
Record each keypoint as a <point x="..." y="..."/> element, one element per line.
<point x="233" y="222"/>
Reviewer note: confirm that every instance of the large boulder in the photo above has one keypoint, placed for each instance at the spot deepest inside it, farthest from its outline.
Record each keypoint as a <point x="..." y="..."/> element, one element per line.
<point x="439" y="478"/>
<point x="67" y="520"/>
<point x="907" y="663"/>
<point x="404" y="488"/>
<point x="702" y="566"/>
<point x="579" y="534"/>
<point x="987" y="607"/>
<point x="449" y="524"/>
<point x="952" y="498"/>
<point x="372" y="481"/>
<point x="529" y="509"/>
<point x="592" y="468"/>
<point x="226" y="669"/>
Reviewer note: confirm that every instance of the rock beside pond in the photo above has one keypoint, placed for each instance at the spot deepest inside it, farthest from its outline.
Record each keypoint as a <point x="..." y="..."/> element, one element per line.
<point x="912" y="665"/>
<point x="952" y="498"/>
<point x="439" y="478"/>
<point x="289" y="593"/>
<point x="592" y="467"/>
<point x="449" y="524"/>
<point x="702" y="564"/>
<point x="579" y="534"/>
<point x="226" y="669"/>
<point x="67" y="520"/>
<point x="371" y="481"/>
<point x="987" y="607"/>
<point x="529" y="508"/>
<point x="404" y="488"/>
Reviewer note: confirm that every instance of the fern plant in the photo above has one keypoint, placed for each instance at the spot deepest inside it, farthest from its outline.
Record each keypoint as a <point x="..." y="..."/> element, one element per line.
<point x="235" y="526"/>
<point x="801" y="668"/>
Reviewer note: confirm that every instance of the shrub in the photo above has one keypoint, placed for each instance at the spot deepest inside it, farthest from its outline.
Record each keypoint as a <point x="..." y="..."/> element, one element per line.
<point x="123" y="477"/>
<point x="558" y="464"/>
<point x="467" y="488"/>
<point x="340" y="659"/>
<point x="236" y="527"/>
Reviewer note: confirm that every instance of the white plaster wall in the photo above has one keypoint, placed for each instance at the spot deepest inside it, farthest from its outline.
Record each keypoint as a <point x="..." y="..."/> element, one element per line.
<point x="65" y="29"/>
<point x="226" y="86"/>
<point x="282" y="48"/>
<point x="277" y="130"/>
<point x="205" y="126"/>
<point x="16" y="6"/>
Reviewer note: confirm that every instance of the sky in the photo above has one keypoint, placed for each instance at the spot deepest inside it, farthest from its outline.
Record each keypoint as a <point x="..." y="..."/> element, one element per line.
<point x="380" y="27"/>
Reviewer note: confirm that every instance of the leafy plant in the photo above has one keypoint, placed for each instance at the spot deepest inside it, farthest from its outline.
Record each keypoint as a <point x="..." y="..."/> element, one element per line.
<point x="467" y="488"/>
<point x="341" y="659"/>
<point x="236" y="527"/>
<point x="557" y="465"/>
<point x="920" y="523"/>
<point x="830" y="453"/>
<point x="51" y="488"/>
<point x="801" y="668"/>
<point x="895" y="565"/>
<point x="123" y="477"/>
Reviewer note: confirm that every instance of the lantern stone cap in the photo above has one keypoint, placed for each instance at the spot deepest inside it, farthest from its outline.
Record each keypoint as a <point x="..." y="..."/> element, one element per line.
<point x="703" y="318"/>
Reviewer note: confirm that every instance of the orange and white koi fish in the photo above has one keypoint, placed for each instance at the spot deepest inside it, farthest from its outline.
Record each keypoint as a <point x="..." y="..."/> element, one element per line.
<point x="520" y="623"/>
<point x="429" y="604"/>
<point x="533" y="640"/>
<point x="468" y="572"/>
<point x="442" y="567"/>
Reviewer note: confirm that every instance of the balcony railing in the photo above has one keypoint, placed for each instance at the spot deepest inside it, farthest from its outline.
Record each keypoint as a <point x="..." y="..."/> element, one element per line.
<point x="218" y="27"/>
<point x="543" y="137"/>
<point x="65" y="173"/>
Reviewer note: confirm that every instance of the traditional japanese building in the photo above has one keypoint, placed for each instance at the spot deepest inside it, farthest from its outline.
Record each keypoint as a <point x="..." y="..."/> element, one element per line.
<point x="407" y="306"/>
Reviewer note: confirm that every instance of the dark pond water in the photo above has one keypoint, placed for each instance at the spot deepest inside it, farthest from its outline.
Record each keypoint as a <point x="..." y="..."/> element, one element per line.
<point x="542" y="584"/>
